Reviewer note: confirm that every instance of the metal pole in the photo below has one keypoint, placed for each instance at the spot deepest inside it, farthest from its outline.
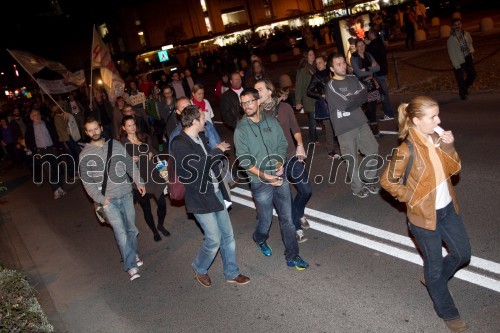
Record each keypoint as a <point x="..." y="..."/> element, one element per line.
<point x="396" y="71"/>
<point x="91" y="69"/>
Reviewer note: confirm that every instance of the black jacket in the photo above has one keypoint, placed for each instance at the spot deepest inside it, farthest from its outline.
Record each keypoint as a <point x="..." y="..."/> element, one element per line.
<point x="317" y="86"/>
<point x="193" y="169"/>
<point x="230" y="108"/>
<point x="377" y="49"/>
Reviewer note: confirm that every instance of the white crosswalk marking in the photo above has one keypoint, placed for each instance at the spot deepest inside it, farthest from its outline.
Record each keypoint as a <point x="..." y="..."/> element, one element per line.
<point x="410" y="256"/>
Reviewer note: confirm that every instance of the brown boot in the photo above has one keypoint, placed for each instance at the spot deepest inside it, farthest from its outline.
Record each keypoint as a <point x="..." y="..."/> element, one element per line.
<point x="456" y="325"/>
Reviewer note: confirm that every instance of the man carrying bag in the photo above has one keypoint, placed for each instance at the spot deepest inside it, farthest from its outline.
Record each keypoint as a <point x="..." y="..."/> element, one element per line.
<point x="113" y="190"/>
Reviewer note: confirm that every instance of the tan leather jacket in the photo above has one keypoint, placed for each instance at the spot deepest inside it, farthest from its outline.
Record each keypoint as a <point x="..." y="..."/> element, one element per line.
<point x="419" y="193"/>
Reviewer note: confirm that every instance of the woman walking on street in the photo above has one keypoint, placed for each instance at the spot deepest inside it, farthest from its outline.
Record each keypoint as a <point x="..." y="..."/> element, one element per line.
<point x="305" y="72"/>
<point x="364" y="66"/>
<point x="424" y="162"/>
<point x="316" y="90"/>
<point x="138" y="144"/>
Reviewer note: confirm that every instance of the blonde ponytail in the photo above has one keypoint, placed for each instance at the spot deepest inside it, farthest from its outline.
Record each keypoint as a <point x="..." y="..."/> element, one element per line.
<point x="403" y="120"/>
<point x="408" y="111"/>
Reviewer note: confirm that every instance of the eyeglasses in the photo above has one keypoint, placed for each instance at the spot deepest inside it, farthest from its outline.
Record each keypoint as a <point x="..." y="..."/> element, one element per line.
<point x="247" y="103"/>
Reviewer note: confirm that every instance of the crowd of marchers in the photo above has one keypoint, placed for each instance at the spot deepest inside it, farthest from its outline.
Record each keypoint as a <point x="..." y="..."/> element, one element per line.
<point x="172" y="116"/>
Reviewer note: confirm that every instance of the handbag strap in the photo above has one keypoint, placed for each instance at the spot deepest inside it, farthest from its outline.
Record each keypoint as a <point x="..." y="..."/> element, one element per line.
<point x="410" y="160"/>
<point x="106" y="167"/>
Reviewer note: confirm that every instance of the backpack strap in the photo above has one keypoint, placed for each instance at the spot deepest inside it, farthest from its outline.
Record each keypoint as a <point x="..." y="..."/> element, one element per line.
<point x="106" y="167"/>
<point x="410" y="160"/>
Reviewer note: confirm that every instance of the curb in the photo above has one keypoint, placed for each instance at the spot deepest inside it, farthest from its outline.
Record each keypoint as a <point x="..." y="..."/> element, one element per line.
<point x="15" y="255"/>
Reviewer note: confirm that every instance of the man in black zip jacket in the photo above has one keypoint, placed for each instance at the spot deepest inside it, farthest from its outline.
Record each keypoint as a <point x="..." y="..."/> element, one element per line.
<point x="206" y="197"/>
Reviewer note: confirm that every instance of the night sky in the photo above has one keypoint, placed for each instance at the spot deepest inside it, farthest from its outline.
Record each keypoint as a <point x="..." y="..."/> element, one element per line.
<point x="62" y="34"/>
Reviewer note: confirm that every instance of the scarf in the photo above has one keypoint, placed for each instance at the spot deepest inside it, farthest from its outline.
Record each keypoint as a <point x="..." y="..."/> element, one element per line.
<point x="270" y="106"/>
<point x="462" y="42"/>
<point x="200" y="104"/>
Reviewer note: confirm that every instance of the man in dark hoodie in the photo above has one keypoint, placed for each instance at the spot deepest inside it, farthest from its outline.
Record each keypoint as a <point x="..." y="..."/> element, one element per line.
<point x="376" y="48"/>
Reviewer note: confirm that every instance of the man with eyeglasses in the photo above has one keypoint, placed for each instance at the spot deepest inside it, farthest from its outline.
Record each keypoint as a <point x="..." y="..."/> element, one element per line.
<point x="460" y="51"/>
<point x="295" y="171"/>
<point x="261" y="149"/>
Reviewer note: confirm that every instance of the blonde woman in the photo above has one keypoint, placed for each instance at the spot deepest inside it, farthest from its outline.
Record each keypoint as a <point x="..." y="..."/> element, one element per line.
<point x="198" y="98"/>
<point x="431" y="203"/>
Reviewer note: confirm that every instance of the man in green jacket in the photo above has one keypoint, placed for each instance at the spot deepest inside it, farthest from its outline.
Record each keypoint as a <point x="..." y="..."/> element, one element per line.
<point x="261" y="150"/>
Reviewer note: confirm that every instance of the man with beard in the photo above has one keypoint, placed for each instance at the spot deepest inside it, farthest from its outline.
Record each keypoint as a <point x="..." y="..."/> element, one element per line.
<point x="461" y="52"/>
<point x="116" y="198"/>
<point x="345" y="94"/>
<point x="261" y="149"/>
<point x="294" y="166"/>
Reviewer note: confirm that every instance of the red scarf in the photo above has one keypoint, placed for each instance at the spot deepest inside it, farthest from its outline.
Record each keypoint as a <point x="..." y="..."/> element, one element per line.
<point x="200" y="104"/>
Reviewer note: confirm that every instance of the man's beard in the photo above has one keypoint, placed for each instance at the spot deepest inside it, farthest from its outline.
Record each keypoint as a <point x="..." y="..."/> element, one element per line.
<point x="250" y="115"/>
<point x="97" y="137"/>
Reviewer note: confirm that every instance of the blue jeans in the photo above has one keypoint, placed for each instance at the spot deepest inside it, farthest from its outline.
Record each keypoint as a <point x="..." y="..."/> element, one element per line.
<point x="438" y="270"/>
<point x="265" y="196"/>
<point x="212" y="135"/>
<point x="313" y="133"/>
<point x="218" y="234"/>
<point x="384" y="90"/>
<point x="297" y="175"/>
<point x="120" y="214"/>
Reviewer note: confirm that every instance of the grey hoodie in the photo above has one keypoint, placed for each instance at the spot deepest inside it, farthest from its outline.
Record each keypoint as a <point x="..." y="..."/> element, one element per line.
<point x="121" y="166"/>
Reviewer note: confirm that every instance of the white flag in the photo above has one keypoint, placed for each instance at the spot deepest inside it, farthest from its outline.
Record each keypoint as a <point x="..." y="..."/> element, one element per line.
<point x="101" y="58"/>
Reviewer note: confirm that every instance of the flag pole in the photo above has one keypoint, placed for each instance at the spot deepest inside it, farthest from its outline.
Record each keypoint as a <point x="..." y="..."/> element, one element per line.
<point x="91" y="82"/>
<point x="39" y="85"/>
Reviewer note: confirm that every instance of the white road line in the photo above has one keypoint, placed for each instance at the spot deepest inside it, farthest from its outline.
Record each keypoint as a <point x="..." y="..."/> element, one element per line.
<point x="472" y="277"/>
<point x="390" y="236"/>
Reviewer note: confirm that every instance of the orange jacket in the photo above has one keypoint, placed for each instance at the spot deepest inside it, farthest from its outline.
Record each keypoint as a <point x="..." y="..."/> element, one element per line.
<point x="419" y="193"/>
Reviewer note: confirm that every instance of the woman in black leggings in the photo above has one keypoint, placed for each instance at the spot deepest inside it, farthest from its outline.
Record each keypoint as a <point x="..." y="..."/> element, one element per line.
<point x="138" y="146"/>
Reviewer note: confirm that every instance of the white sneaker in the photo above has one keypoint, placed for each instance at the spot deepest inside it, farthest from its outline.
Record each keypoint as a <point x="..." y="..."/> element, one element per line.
<point x="304" y="223"/>
<point x="133" y="273"/>
<point x="301" y="238"/>
<point x="138" y="261"/>
<point x="61" y="191"/>
<point x="385" y="118"/>
<point x="57" y="195"/>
